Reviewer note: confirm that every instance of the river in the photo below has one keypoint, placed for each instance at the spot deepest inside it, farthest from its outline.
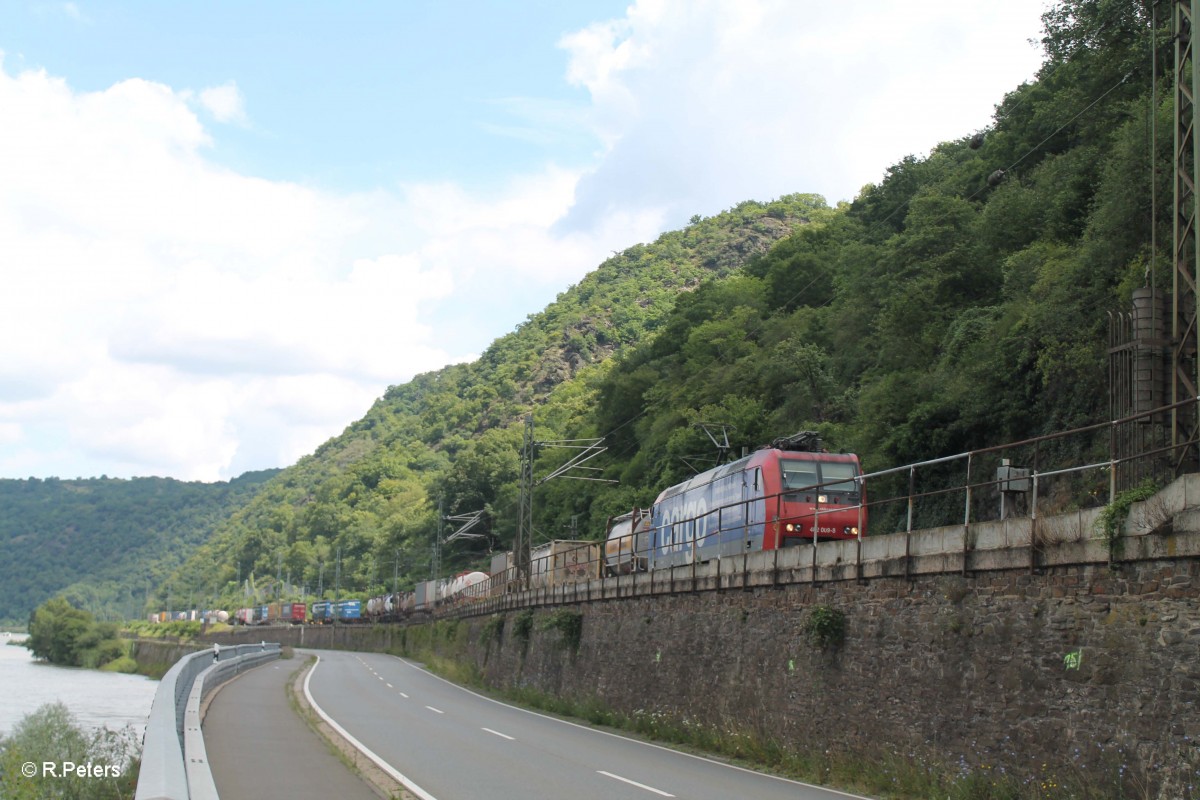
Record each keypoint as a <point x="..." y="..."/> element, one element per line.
<point x="96" y="699"/>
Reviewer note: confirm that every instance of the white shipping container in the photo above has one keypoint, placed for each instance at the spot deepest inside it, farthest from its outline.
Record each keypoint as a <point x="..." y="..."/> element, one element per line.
<point x="563" y="561"/>
<point x="503" y="572"/>
<point x="427" y="594"/>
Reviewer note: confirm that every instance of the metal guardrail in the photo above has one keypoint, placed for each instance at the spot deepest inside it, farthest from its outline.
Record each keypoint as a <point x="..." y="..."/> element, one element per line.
<point x="1081" y="468"/>
<point x="174" y="762"/>
<point x="1045" y="542"/>
<point x="963" y="489"/>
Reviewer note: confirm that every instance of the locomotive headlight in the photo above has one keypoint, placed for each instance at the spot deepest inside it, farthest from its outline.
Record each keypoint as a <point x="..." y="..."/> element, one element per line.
<point x="851" y="529"/>
<point x="790" y="527"/>
<point x="822" y="499"/>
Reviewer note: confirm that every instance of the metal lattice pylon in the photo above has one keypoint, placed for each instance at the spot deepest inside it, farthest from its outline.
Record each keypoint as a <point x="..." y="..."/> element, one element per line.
<point x="1184" y="333"/>
<point x="586" y="450"/>
<point x="521" y="547"/>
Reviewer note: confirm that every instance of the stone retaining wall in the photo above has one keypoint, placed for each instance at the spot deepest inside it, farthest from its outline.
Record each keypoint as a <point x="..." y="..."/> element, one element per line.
<point x="1063" y="670"/>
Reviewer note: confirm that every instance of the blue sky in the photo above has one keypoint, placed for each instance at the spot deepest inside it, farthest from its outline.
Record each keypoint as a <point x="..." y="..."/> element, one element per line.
<point x="226" y="228"/>
<point x="342" y="95"/>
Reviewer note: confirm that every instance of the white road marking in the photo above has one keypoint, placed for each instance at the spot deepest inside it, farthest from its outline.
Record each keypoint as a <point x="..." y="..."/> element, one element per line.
<point x="634" y="783"/>
<point x="362" y="748"/>
<point x="385" y="683"/>
<point x="435" y="710"/>
<point x="402" y="694"/>
<point x="501" y="735"/>
<point x="596" y="732"/>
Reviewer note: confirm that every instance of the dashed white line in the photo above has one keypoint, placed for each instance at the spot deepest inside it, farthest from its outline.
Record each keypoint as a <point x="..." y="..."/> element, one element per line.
<point x="501" y="735"/>
<point x="634" y="783"/>
<point x="639" y="742"/>
<point x="435" y="710"/>
<point x="385" y="766"/>
<point x="385" y="683"/>
<point x="402" y="694"/>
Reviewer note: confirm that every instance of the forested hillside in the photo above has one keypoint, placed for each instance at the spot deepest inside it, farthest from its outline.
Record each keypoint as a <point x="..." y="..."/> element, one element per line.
<point x="453" y="436"/>
<point x="104" y="543"/>
<point x="959" y="303"/>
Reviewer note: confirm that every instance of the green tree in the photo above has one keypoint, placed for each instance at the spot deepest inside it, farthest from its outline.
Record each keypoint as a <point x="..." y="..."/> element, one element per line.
<point x="59" y="633"/>
<point x="63" y="634"/>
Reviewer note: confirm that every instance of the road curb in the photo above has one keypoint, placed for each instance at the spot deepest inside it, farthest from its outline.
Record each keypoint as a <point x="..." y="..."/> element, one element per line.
<point x="378" y="779"/>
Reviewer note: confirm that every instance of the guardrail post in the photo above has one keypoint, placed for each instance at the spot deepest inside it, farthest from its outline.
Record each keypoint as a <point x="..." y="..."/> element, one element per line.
<point x="1033" y="527"/>
<point x="967" y="521"/>
<point x="858" y="568"/>
<point x="693" y="558"/>
<point x="912" y="483"/>
<point x="862" y="495"/>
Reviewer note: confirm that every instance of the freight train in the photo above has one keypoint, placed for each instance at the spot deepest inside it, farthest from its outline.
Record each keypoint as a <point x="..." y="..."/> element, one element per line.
<point x="790" y="493"/>
<point x="784" y="495"/>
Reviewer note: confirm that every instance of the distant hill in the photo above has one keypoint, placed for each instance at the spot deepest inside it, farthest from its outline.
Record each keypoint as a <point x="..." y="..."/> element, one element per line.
<point x="104" y="542"/>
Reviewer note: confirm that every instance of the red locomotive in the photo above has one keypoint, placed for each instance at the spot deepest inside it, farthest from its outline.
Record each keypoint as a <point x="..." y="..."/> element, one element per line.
<point x="788" y="494"/>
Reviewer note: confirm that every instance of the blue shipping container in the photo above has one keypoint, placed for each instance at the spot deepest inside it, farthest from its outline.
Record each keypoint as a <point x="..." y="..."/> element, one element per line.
<point x="349" y="610"/>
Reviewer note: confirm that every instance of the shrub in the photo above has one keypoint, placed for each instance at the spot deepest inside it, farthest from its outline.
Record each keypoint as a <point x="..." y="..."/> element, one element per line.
<point x="569" y="625"/>
<point x="492" y="630"/>
<point x="523" y="626"/>
<point x="826" y="626"/>
<point x="1112" y="517"/>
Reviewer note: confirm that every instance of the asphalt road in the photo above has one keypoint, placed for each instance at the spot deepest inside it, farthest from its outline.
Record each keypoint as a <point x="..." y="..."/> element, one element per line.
<point x="258" y="747"/>
<point x="449" y="743"/>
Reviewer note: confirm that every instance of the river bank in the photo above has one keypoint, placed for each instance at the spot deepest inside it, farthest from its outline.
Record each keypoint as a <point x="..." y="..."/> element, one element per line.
<point x="155" y="656"/>
<point x="95" y="699"/>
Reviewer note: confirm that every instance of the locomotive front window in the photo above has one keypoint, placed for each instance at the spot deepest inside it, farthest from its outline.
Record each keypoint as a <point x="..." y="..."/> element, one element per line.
<point x="841" y="471"/>
<point x="799" y="474"/>
<point x="836" y="476"/>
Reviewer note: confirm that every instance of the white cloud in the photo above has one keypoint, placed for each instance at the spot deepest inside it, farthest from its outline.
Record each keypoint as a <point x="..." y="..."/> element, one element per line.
<point x="224" y="102"/>
<point x="163" y="315"/>
<point x="10" y="433"/>
<point x="508" y="232"/>
<point x="211" y="320"/>
<point x="705" y="103"/>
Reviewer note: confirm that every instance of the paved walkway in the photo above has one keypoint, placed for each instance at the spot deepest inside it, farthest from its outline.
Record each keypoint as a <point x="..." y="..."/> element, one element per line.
<point x="258" y="746"/>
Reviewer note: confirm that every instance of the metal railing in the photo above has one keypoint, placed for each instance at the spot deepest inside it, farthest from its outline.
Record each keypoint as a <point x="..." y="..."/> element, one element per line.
<point x="174" y="764"/>
<point x="1079" y="468"/>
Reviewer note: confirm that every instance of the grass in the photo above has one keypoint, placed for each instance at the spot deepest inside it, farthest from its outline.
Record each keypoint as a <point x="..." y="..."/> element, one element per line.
<point x="124" y="664"/>
<point x="1112" y="516"/>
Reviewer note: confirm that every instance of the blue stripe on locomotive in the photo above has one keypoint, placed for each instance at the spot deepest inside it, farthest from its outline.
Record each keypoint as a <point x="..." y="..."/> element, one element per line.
<point x="718" y="513"/>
